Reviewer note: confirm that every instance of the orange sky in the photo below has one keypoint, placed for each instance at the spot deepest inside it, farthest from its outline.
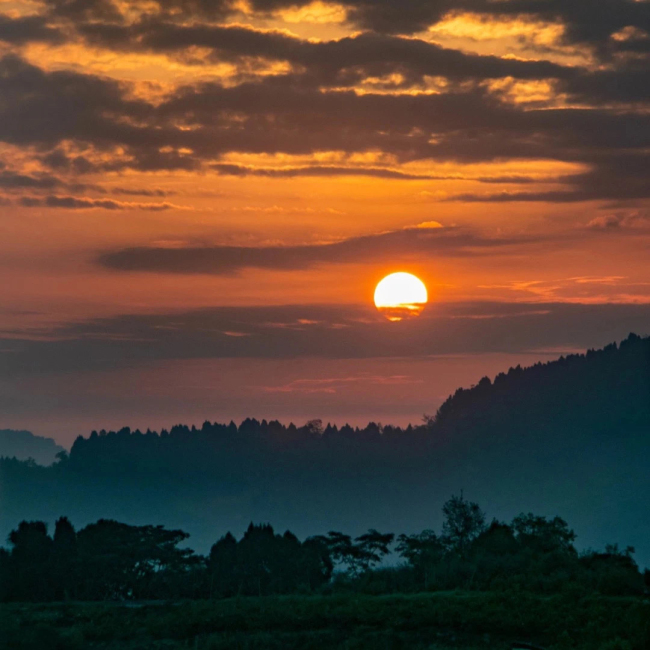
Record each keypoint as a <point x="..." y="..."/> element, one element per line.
<point x="148" y="147"/>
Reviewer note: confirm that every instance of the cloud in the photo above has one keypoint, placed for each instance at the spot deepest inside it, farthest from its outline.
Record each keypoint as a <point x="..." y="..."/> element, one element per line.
<point x="443" y="329"/>
<point x="614" y="175"/>
<point x="38" y="182"/>
<point x="608" y="26"/>
<point x="77" y="203"/>
<point x="584" y="22"/>
<point x="410" y="243"/>
<point x="333" y="385"/>
<point x="619" y="222"/>
<point x="47" y="108"/>
<point x="141" y="191"/>
<point x="405" y="97"/>
<point x="228" y="169"/>
<point x="88" y="10"/>
<point x="317" y="171"/>
<point x="10" y="180"/>
<point x="343" y="62"/>
<point x="26" y="29"/>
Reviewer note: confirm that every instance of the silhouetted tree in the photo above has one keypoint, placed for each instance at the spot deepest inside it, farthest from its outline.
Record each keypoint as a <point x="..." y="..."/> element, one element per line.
<point x="222" y="567"/>
<point x="118" y="561"/>
<point x="263" y="562"/>
<point x="372" y="547"/>
<point x="543" y="534"/>
<point x="112" y="560"/>
<point x="30" y="560"/>
<point x="257" y="559"/>
<point x="340" y="547"/>
<point x="613" y="572"/>
<point x="495" y="557"/>
<point x="64" y="559"/>
<point x="463" y="522"/>
<point x="6" y="576"/>
<point x="316" y="563"/>
<point x="359" y="555"/>
<point x="423" y="551"/>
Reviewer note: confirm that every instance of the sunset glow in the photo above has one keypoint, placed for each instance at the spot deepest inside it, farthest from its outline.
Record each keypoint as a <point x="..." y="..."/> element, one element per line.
<point x="198" y="168"/>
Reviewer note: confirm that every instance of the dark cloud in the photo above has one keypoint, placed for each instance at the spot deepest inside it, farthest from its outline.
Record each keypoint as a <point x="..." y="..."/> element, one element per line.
<point x="410" y="243"/>
<point x="377" y="172"/>
<point x="343" y="62"/>
<point x="10" y="180"/>
<point x="515" y="197"/>
<point x="18" y="31"/>
<point x="628" y="85"/>
<point x="317" y="170"/>
<point x="306" y="111"/>
<point x="622" y="221"/>
<point x="586" y="22"/>
<point x="44" y="108"/>
<point x="618" y="176"/>
<point x="87" y="10"/>
<point x="325" y="331"/>
<point x="30" y="202"/>
<point x="60" y="161"/>
<point x="346" y="62"/>
<point x="470" y="126"/>
<point x="141" y="191"/>
<point x="79" y="203"/>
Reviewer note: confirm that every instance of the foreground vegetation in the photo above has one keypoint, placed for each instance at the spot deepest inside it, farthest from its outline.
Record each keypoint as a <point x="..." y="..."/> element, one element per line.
<point x="461" y="620"/>
<point x="109" y="560"/>
<point x="471" y="586"/>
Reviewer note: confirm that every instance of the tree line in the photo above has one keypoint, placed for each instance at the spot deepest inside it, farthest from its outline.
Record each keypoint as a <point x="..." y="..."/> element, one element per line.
<point x="109" y="560"/>
<point x="600" y="390"/>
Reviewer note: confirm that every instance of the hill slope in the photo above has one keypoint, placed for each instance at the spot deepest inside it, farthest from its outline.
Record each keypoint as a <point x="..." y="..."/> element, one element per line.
<point x="599" y="389"/>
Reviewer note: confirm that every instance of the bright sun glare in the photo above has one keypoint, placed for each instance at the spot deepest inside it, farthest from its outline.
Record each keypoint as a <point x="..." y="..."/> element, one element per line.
<point x="400" y="295"/>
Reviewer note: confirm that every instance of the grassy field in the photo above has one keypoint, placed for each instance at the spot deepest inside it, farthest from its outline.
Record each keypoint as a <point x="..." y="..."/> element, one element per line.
<point x="467" y="621"/>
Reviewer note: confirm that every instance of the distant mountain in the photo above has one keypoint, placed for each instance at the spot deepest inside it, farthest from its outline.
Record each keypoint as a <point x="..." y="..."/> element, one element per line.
<point x="569" y="438"/>
<point x="24" y="444"/>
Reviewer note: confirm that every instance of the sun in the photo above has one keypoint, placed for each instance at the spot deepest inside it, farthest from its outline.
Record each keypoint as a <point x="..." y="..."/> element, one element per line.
<point x="401" y="295"/>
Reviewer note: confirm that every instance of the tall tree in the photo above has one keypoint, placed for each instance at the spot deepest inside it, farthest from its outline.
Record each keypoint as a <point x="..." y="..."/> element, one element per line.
<point x="423" y="552"/>
<point x="30" y="558"/>
<point x="118" y="561"/>
<point x="222" y="567"/>
<point x="372" y="547"/>
<point x="64" y="559"/>
<point x="463" y="522"/>
<point x="544" y="534"/>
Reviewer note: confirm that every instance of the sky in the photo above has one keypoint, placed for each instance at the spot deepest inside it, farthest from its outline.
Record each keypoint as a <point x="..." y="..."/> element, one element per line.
<point x="198" y="197"/>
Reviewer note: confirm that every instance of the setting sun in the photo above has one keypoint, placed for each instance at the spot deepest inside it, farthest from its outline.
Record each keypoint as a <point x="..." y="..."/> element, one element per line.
<point x="400" y="295"/>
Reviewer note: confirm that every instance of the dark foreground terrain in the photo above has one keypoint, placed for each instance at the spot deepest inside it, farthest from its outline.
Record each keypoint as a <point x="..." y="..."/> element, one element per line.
<point x="462" y="620"/>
